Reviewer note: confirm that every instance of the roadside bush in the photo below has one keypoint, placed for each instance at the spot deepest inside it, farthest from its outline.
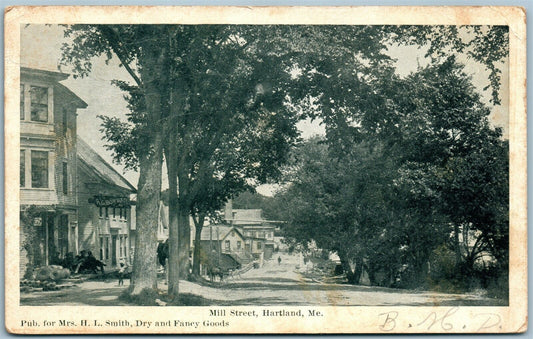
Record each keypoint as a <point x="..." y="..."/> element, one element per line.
<point x="494" y="279"/>
<point x="446" y="276"/>
<point x="187" y="299"/>
<point x="443" y="274"/>
<point x="442" y="264"/>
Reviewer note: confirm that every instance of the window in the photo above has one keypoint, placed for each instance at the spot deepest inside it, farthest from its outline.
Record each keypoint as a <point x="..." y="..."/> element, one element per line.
<point x="65" y="178"/>
<point x="108" y="240"/>
<point x="101" y="248"/>
<point x="62" y="235"/>
<point x="39" y="169"/>
<point x="21" y="102"/>
<point x="227" y="245"/>
<point x="39" y="103"/>
<point x="107" y="212"/>
<point x="101" y="214"/>
<point x="259" y="245"/>
<point x="104" y="246"/>
<point x="125" y="244"/>
<point x="238" y="245"/>
<point x="114" y="213"/>
<point x="247" y="247"/>
<point x="22" y="168"/>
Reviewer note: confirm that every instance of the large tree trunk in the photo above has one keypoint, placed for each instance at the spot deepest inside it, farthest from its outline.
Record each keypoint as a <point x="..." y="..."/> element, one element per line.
<point x="358" y="272"/>
<point x="347" y="267"/>
<point x="144" y="275"/>
<point x="197" y="246"/>
<point x="173" y="236"/>
<point x="184" y="238"/>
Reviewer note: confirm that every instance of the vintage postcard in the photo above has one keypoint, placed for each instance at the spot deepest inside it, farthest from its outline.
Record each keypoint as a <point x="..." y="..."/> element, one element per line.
<point x="265" y="170"/>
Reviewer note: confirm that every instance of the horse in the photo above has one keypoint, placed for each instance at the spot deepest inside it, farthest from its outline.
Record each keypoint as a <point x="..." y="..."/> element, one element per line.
<point x="213" y="272"/>
<point x="87" y="262"/>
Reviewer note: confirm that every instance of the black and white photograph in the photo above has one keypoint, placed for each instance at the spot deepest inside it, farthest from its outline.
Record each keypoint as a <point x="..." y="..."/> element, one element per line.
<point x="267" y="171"/>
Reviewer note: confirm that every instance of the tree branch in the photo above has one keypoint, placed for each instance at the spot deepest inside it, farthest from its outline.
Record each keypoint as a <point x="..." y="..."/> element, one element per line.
<point x="114" y="39"/>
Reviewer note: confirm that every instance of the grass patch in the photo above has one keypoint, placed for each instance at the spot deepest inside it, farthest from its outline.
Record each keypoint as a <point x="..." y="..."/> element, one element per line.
<point x="187" y="299"/>
<point x="147" y="297"/>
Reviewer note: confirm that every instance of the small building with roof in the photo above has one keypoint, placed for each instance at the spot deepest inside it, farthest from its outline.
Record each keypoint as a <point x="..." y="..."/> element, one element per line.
<point x="257" y="232"/>
<point x="105" y="215"/>
<point x="223" y="239"/>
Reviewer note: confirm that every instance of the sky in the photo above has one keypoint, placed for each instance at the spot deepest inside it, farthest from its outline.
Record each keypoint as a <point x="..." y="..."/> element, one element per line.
<point x="41" y="48"/>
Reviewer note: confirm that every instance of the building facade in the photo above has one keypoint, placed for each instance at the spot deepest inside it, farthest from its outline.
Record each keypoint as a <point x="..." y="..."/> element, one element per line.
<point x="48" y="192"/>
<point x="105" y="213"/>
<point x="258" y="232"/>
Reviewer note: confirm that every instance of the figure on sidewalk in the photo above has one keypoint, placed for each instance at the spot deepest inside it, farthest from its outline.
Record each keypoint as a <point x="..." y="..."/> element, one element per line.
<point x="121" y="273"/>
<point x="279" y="260"/>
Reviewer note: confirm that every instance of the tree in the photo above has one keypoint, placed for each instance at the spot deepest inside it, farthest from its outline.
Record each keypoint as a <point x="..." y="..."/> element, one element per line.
<point x="230" y="131"/>
<point x="475" y="194"/>
<point x="395" y="187"/>
<point x="268" y="74"/>
<point x="336" y="202"/>
<point x="449" y="143"/>
<point x="145" y="47"/>
<point x="487" y="45"/>
<point x="251" y="69"/>
<point x="227" y="125"/>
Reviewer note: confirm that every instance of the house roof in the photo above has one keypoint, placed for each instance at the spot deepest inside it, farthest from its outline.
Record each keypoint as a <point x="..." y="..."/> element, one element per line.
<point x="54" y="77"/>
<point x="99" y="166"/>
<point x="44" y="74"/>
<point x="223" y="231"/>
<point x="247" y="216"/>
<point x="261" y="227"/>
<point x="70" y="96"/>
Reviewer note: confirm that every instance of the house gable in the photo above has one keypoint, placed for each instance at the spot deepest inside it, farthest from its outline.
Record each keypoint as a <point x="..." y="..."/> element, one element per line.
<point x="237" y="234"/>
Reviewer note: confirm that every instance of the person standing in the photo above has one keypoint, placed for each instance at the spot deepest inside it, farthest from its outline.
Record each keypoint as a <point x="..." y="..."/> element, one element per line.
<point x="121" y="273"/>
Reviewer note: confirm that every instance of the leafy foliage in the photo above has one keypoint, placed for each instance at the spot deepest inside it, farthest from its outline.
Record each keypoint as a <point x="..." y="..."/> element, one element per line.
<point x="406" y="161"/>
<point x="391" y="193"/>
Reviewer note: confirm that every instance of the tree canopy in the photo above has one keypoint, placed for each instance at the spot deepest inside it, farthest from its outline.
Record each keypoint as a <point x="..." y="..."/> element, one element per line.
<point x="220" y="104"/>
<point x="429" y="171"/>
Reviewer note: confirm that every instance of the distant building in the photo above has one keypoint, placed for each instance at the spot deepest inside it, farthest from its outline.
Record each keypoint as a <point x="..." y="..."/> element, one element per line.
<point x="48" y="192"/>
<point x="244" y="236"/>
<point x="104" y="218"/>
<point x="258" y="232"/>
<point x="163" y="224"/>
<point x="227" y="239"/>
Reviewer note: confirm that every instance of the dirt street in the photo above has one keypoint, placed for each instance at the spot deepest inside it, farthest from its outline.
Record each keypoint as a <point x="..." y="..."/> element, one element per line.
<point x="272" y="284"/>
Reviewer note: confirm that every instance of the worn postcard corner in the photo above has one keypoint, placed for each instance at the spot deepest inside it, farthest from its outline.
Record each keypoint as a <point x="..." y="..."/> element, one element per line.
<point x="265" y="170"/>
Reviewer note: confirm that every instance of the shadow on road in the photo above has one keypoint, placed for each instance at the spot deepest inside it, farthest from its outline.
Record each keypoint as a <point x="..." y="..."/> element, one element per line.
<point x="75" y="296"/>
